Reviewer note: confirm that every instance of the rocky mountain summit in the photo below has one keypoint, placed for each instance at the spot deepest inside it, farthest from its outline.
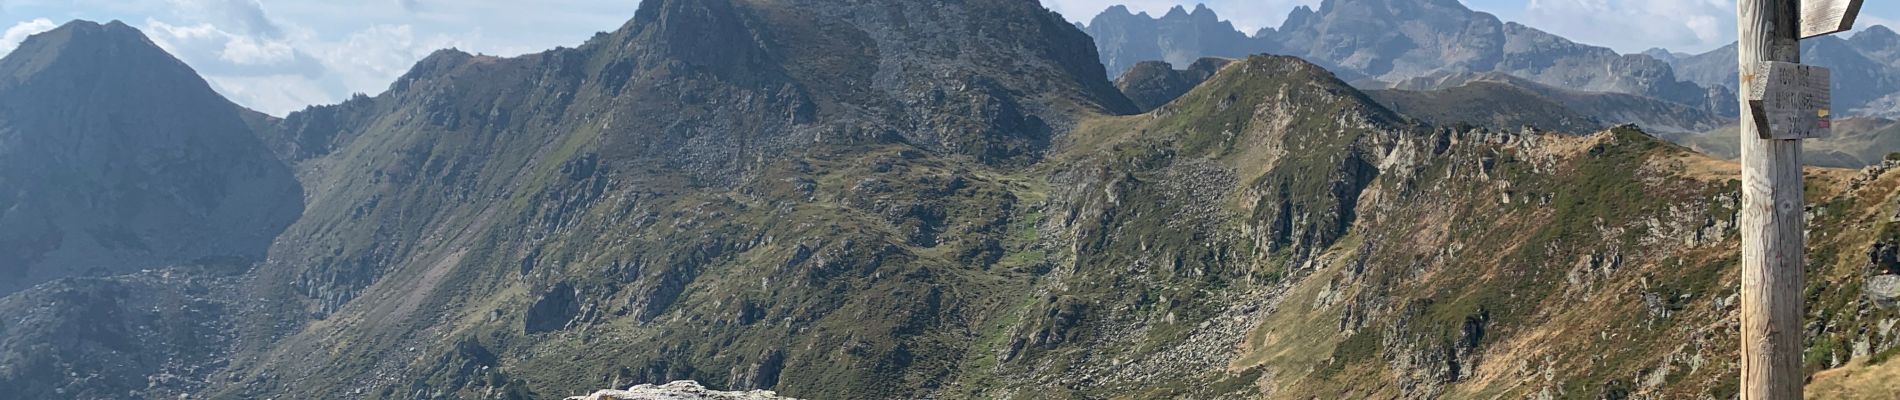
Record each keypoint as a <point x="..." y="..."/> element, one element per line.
<point x="115" y="156"/>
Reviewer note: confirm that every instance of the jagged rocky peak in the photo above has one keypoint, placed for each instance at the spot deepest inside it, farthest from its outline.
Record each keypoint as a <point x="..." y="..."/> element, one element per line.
<point x="117" y="156"/>
<point x="903" y="64"/>
<point x="1179" y="37"/>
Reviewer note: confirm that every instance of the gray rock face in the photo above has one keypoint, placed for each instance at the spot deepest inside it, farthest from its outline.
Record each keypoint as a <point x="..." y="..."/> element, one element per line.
<point x="678" y="390"/>
<point x="1884" y="290"/>
<point x="114" y="156"/>
<point x="1179" y="37"/>
<point x="152" y="335"/>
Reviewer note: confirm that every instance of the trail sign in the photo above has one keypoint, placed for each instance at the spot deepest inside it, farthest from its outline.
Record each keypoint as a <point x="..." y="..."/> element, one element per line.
<point x="1826" y="17"/>
<point x="1790" y="101"/>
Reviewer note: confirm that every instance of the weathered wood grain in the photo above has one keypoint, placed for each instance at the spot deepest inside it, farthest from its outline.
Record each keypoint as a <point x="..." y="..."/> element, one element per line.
<point x="1773" y="246"/>
<point x="1826" y="17"/>
<point x="1791" y="101"/>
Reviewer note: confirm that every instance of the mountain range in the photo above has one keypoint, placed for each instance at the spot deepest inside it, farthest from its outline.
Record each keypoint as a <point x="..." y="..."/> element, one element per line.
<point x="1444" y="62"/>
<point x="889" y="199"/>
<point x="1377" y="43"/>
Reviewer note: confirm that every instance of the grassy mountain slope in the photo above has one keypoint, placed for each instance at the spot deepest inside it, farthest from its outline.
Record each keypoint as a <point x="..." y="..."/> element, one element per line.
<point x="892" y="200"/>
<point x="1272" y="233"/>
<point x="622" y="212"/>
<point x="1494" y="264"/>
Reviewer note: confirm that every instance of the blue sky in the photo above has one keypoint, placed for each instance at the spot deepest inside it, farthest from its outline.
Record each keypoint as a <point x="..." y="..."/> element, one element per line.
<point x="279" y="56"/>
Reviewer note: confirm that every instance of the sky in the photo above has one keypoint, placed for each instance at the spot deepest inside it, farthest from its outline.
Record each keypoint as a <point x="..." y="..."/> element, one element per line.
<point x="279" y="56"/>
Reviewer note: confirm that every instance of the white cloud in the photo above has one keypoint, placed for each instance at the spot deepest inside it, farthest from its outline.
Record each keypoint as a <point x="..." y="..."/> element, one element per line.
<point x="247" y="50"/>
<point x="273" y="94"/>
<point x="1635" y="25"/>
<point x="19" y="32"/>
<point x="278" y="76"/>
<point x="205" y="41"/>
<point x="368" y="60"/>
<point x="248" y="15"/>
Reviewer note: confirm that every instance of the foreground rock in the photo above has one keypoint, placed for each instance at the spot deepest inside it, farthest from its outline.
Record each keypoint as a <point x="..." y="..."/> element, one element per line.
<point x="678" y="390"/>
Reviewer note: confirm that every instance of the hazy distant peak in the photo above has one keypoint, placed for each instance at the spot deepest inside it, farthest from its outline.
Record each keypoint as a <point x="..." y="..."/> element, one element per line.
<point x="84" y="48"/>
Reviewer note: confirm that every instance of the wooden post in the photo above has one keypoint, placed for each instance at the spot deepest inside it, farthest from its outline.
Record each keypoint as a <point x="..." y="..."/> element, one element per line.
<point x="1773" y="246"/>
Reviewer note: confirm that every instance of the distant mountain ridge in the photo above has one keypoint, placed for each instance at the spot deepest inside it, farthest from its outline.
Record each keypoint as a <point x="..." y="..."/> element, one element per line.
<point x="1377" y="44"/>
<point x="1504" y="101"/>
<point x="1179" y="37"/>
<point x="1865" y="66"/>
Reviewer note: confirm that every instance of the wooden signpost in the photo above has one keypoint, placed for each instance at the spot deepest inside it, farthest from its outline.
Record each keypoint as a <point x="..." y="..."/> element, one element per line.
<point x="1827" y="17"/>
<point x="1790" y="100"/>
<point x="1783" y="102"/>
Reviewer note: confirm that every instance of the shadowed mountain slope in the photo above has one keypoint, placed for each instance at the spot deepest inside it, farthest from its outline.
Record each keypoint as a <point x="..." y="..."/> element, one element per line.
<point x="114" y="156"/>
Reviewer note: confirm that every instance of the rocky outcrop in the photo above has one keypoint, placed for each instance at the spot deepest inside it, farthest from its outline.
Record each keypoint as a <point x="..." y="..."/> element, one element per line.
<point x="1151" y="84"/>
<point x="160" y="333"/>
<point x="678" y="390"/>
<point x="1884" y="289"/>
